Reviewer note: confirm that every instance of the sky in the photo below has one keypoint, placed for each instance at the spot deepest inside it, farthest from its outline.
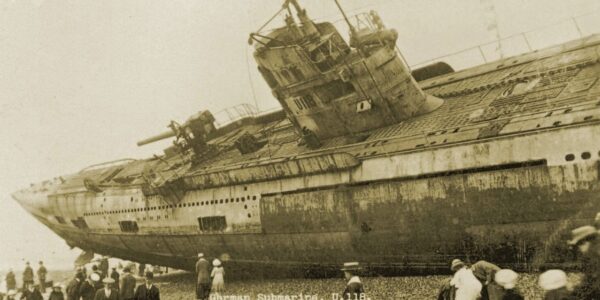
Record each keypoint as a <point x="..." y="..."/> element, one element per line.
<point x="82" y="81"/>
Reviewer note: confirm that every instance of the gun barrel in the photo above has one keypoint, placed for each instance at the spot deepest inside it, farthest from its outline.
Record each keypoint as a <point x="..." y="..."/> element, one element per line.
<point x="158" y="137"/>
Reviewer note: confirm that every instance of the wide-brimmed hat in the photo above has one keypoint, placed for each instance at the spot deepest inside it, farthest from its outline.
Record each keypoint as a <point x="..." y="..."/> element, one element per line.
<point x="456" y="264"/>
<point x="581" y="233"/>
<point x="57" y="285"/>
<point x="200" y="255"/>
<point x="553" y="279"/>
<point x="108" y="280"/>
<point x="95" y="277"/>
<point x="506" y="278"/>
<point x="351" y="266"/>
<point x="11" y="292"/>
<point x="216" y="262"/>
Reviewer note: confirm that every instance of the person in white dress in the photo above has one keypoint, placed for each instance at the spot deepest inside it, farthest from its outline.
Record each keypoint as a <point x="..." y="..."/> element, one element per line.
<point x="217" y="275"/>
<point x="467" y="285"/>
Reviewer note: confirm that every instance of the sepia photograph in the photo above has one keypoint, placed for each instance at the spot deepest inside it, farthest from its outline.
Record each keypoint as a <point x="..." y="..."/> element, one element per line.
<point x="299" y="149"/>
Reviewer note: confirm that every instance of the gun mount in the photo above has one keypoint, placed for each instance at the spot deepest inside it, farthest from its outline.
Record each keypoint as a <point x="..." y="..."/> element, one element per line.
<point x="193" y="134"/>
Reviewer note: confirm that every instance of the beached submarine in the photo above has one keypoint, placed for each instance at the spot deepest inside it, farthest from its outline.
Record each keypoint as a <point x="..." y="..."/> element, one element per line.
<point x="402" y="170"/>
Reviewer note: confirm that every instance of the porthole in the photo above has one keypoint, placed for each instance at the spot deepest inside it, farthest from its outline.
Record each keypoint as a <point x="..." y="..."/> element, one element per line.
<point x="226" y="200"/>
<point x="245" y="188"/>
<point x="245" y="206"/>
<point x="212" y="201"/>
<point x="570" y="157"/>
<point x="201" y="202"/>
<point x="253" y="197"/>
<point x="586" y="155"/>
<point x="249" y="215"/>
<point x="131" y="199"/>
<point x="237" y="199"/>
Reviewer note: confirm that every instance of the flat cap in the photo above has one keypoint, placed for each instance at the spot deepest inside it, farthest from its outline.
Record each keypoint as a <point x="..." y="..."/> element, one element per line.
<point x="581" y="233"/>
<point x="351" y="266"/>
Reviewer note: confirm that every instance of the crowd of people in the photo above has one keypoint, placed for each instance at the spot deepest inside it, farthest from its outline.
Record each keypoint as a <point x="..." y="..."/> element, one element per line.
<point x="484" y="280"/>
<point x="480" y="280"/>
<point x="97" y="284"/>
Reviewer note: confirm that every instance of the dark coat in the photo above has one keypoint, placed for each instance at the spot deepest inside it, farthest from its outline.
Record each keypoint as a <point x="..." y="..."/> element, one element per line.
<point x="589" y="287"/>
<point x="559" y="294"/>
<point x="28" y="274"/>
<point x="101" y="295"/>
<point x="73" y="289"/>
<point x="56" y="296"/>
<point x="103" y="267"/>
<point x="41" y="273"/>
<point x="512" y="295"/>
<point x="35" y="295"/>
<point x="142" y="293"/>
<point x="354" y="290"/>
<point x="87" y="291"/>
<point x="203" y="271"/>
<point x="127" y="286"/>
<point x="11" y="281"/>
<point x="115" y="275"/>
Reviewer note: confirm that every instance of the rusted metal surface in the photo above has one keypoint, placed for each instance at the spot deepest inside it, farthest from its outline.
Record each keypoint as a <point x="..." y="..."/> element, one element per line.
<point x="368" y="166"/>
<point x="273" y="170"/>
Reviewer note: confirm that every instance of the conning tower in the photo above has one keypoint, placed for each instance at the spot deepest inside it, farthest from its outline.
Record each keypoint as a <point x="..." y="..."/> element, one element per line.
<point x="330" y="88"/>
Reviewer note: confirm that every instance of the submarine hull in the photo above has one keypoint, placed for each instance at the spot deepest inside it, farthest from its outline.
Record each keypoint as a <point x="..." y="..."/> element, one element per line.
<point x="511" y="200"/>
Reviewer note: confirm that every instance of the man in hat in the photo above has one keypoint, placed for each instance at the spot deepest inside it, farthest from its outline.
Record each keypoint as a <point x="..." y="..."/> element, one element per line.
<point x="27" y="275"/>
<point x="354" y="287"/>
<point x="87" y="290"/>
<point x="11" y="281"/>
<point x="108" y="292"/>
<point x="41" y="273"/>
<point x="447" y="290"/>
<point x="554" y="284"/>
<point x="56" y="293"/>
<point x="74" y="285"/>
<point x="585" y="238"/>
<point x="127" y="284"/>
<point x="506" y="279"/>
<point x="484" y="272"/>
<point x="103" y="266"/>
<point x="147" y="291"/>
<point x="203" y="283"/>
<point x="466" y="284"/>
<point x="31" y="293"/>
<point x="115" y="276"/>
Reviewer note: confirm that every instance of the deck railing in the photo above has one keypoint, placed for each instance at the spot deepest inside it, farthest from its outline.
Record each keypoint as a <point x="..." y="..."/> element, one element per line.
<point x="538" y="38"/>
